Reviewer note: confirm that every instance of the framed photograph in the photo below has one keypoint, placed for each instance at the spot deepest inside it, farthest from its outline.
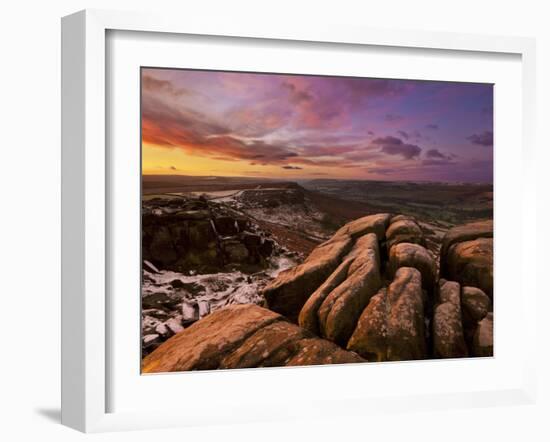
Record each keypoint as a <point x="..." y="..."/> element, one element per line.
<point x="262" y="222"/>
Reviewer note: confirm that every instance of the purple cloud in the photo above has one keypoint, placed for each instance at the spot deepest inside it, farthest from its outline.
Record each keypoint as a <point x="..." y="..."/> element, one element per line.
<point x="434" y="153"/>
<point x="403" y="134"/>
<point x="395" y="146"/>
<point x="295" y="122"/>
<point x="482" y="139"/>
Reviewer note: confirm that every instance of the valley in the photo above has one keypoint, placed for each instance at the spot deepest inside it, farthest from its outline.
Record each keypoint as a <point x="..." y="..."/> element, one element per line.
<point x="212" y="242"/>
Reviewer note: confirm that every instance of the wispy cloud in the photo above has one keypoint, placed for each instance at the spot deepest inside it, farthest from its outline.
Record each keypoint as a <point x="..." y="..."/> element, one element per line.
<point x="311" y="124"/>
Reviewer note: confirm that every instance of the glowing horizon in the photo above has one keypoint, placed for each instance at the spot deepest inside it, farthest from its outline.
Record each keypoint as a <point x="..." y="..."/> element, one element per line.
<point x="296" y="127"/>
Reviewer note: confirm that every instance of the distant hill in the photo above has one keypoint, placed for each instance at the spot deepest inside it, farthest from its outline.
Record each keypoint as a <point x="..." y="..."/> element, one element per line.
<point x="187" y="183"/>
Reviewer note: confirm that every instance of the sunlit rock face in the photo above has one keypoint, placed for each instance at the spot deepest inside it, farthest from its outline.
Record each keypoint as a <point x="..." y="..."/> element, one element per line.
<point x="244" y="336"/>
<point x="375" y="291"/>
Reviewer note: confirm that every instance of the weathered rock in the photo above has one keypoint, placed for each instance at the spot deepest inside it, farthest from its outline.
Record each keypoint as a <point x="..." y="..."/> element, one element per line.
<point x="466" y="232"/>
<point x="483" y="338"/>
<point x="227" y="225"/>
<point x="288" y="293"/>
<point x="308" y="317"/>
<point x="177" y="283"/>
<point x="475" y="306"/>
<point x="162" y="248"/>
<point x="448" y="334"/>
<point x="243" y="336"/>
<point x="204" y="344"/>
<point x="150" y="341"/>
<point x="285" y="344"/>
<point x="187" y="235"/>
<point x="391" y="328"/>
<point x="235" y="251"/>
<point x="403" y="230"/>
<point x="189" y="312"/>
<point x="163" y="331"/>
<point x="370" y="338"/>
<point x="339" y="312"/>
<point x="414" y="255"/>
<point x="159" y="300"/>
<point x="471" y="264"/>
<point x="475" y="303"/>
<point x="315" y="351"/>
<point x="174" y="325"/>
<point x="448" y="291"/>
<point x="266" y="347"/>
<point x="193" y="288"/>
<point x="397" y="218"/>
<point x="405" y="327"/>
<point x="368" y="224"/>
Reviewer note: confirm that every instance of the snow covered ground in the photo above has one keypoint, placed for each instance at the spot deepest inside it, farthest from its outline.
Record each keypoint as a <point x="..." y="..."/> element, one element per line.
<point x="172" y="301"/>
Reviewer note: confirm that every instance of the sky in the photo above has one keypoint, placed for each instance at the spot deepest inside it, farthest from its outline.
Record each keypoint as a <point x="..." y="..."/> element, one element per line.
<point x="315" y="127"/>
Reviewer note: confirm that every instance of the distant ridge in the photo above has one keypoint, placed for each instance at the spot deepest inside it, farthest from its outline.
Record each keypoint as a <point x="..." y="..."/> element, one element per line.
<point x="189" y="183"/>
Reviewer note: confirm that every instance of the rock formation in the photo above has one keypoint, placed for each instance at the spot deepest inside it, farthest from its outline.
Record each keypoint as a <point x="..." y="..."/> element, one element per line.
<point x="243" y="336"/>
<point x="347" y="306"/>
<point x="192" y="234"/>
<point x="466" y="257"/>
<point x="448" y="334"/>
<point x="372" y="292"/>
<point x="391" y="328"/>
<point x="290" y="291"/>
<point x="391" y="305"/>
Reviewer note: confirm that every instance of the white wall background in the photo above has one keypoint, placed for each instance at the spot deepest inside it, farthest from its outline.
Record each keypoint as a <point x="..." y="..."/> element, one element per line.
<point x="30" y="215"/>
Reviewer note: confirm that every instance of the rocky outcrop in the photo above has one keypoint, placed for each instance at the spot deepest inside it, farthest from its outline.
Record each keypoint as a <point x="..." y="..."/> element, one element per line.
<point x="289" y="292"/>
<point x="448" y="334"/>
<point x="483" y="337"/>
<point x="372" y="292"/>
<point x="291" y="289"/>
<point x="417" y="256"/>
<point x="333" y="309"/>
<point x="185" y="234"/>
<point x="350" y="306"/>
<point x="471" y="264"/>
<point x="466" y="232"/>
<point x="339" y="312"/>
<point x="243" y="336"/>
<point x="475" y="306"/>
<point x="370" y="338"/>
<point x="391" y="328"/>
<point x="380" y="295"/>
<point x="376" y="224"/>
<point x="466" y="255"/>
<point x="404" y="230"/>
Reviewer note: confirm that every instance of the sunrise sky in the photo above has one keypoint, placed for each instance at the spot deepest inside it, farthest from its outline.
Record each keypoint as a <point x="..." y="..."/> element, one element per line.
<point x="307" y="127"/>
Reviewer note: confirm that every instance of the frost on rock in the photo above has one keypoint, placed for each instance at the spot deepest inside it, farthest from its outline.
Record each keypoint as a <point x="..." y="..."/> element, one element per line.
<point x="179" y="300"/>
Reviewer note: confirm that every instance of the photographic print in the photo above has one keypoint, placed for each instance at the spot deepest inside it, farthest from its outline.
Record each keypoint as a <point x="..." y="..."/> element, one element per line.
<point x="295" y="220"/>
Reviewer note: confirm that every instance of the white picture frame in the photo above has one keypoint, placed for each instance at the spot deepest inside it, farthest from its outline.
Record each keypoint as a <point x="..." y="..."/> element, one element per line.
<point x="86" y="199"/>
